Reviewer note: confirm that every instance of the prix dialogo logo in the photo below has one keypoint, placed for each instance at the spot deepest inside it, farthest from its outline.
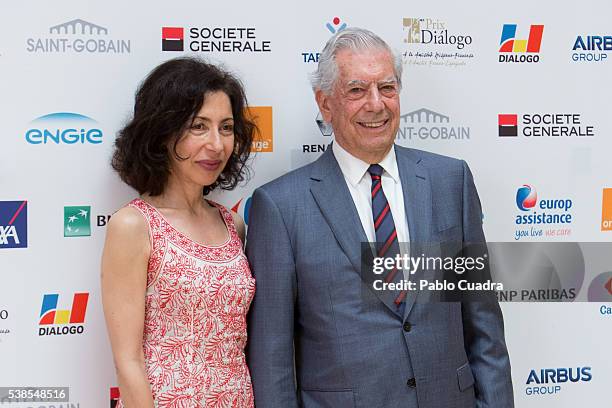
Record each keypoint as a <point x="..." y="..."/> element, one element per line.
<point x="430" y="42"/>
<point x="543" y="125"/>
<point x="336" y="25"/>
<point x="513" y="49"/>
<point x="64" y="128"/>
<point x="546" y="218"/>
<point x="425" y="124"/>
<point x="13" y="224"/>
<point x="77" y="221"/>
<point x="214" y="39"/>
<point x="263" y="140"/>
<point x="54" y="321"/>
<point x="80" y="37"/>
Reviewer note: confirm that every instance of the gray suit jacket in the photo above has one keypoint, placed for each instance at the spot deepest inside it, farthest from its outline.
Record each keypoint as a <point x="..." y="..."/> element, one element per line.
<point x="312" y="320"/>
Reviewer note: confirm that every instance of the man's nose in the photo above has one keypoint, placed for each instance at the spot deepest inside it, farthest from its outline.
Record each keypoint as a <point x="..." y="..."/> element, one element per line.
<point x="374" y="102"/>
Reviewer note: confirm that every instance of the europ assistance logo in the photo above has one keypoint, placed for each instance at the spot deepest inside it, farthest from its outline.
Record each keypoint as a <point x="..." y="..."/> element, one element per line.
<point x="544" y="218"/>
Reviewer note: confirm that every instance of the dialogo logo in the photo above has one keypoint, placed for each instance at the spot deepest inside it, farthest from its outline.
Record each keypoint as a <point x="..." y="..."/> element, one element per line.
<point x="513" y="49"/>
<point x="80" y="37"/>
<point x="77" y="221"/>
<point x="606" y="210"/>
<point x="263" y="140"/>
<point x="54" y="321"/>
<point x="13" y="224"/>
<point x="64" y="128"/>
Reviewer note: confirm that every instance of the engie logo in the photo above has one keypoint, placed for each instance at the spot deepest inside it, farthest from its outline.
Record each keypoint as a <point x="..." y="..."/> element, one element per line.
<point x="77" y="221"/>
<point x="606" y="210"/>
<point x="519" y="50"/>
<point x="13" y="224"/>
<point x="78" y="36"/>
<point x="555" y="215"/>
<point x="67" y="321"/>
<point x="173" y="39"/>
<point x="64" y="128"/>
<point x="548" y="380"/>
<point x="263" y="140"/>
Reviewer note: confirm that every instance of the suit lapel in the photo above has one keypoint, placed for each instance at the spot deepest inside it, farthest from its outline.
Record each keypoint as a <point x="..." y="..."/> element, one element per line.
<point x="334" y="199"/>
<point x="418" y="206"/>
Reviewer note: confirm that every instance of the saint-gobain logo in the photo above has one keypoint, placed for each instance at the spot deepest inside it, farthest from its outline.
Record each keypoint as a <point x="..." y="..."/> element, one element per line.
<point x="64" y="128"/>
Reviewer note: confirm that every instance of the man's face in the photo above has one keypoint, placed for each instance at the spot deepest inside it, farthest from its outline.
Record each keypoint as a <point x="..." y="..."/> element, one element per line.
<point x="363" y="106"/>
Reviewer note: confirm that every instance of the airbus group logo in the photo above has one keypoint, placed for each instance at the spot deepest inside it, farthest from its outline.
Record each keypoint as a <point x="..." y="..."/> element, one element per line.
<point x="13" y="224"/>
<point x="80" y="37"/>
<point x="513" y="48"/>
<point x="64" y="128"/>
<point x="591" y="48"/>
<point x="546" y="381"/>
<point x="526" y="197"/>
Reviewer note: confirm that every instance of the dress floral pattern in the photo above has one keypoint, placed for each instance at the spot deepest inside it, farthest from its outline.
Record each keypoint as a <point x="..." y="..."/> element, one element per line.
<point x="195" y="317"/>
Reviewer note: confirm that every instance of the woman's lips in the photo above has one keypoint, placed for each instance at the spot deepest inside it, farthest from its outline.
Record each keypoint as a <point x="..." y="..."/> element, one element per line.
<point x="209" y="165"/>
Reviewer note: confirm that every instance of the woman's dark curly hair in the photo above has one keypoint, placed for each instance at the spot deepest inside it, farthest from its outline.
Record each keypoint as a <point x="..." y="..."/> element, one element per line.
<point x="166" y="103"/>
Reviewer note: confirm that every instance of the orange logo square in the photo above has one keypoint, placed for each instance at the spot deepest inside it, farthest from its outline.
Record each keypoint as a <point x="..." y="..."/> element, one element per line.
<point x="263" y="140"/>
<point x="606" y="210"/>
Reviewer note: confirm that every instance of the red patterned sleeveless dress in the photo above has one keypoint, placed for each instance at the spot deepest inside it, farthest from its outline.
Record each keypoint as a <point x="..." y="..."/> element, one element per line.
<point x="195" y="317"/>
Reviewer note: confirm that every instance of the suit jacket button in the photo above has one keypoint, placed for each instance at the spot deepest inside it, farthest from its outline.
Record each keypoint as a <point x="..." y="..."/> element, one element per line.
<point x="411" y="383"/>
<point x="407" y="326"/>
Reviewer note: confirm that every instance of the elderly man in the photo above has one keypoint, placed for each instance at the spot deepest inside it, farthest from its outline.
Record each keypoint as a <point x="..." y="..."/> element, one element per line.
<point x="318" y="335"/>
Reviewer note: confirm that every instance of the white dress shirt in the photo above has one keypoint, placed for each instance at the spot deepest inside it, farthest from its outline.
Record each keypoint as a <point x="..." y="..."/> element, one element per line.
<point x="359" y="183"/>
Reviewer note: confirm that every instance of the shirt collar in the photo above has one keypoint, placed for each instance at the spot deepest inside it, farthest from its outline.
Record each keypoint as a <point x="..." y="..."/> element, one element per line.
<point x="354" y="169"/>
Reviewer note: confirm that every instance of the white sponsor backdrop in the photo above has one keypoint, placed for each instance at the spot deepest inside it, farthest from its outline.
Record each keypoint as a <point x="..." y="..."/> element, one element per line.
<point x="44" y="72"/>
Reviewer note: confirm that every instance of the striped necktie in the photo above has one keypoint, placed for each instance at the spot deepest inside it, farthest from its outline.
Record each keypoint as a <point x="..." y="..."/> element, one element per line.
<point x="387" y="244"/>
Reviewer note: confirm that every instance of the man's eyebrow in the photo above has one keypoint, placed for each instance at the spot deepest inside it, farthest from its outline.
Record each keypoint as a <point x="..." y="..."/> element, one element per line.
<point x="387" y="81"/>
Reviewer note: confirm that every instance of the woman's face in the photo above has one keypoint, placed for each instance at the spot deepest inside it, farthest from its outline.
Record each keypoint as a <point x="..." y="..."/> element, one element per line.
<point x="207" y="143"/>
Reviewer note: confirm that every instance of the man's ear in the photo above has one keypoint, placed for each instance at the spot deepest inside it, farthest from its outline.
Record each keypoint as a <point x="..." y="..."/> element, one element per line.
<point x="323" y="102"/>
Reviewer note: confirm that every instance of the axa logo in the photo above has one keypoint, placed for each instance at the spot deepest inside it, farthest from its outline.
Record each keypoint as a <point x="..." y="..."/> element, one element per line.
<point x="55" y="321"/>
<point x="526" y="197"/>
<point x="526" y="50"/>
<point x="173" y="38"/>
<point x="64" y="128"/>
<point x="13" y="224"/>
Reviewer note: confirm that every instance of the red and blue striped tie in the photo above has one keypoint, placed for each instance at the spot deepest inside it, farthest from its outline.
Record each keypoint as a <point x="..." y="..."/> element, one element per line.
<point x="387" y="244"/>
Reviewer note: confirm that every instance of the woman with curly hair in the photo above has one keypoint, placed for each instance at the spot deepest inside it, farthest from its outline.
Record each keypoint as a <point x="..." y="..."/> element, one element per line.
<point x="176" y="285"/>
